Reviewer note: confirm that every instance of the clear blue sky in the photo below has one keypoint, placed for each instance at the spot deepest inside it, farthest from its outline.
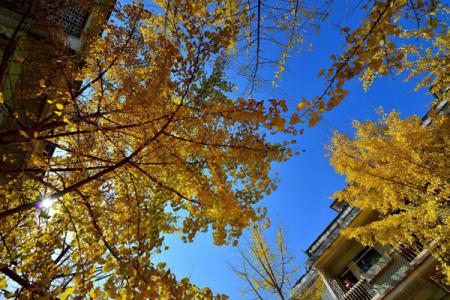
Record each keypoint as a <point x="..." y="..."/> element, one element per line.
<point x="302" y="200"/>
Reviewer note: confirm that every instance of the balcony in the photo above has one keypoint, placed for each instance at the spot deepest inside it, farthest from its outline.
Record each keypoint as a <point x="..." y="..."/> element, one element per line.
<point x="362" y="290"/>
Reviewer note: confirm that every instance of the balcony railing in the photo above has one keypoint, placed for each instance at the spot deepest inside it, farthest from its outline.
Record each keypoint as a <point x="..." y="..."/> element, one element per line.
<point x="362" y="290"/>
<point x="439" y="278"/>
<point x="410" y="252"/>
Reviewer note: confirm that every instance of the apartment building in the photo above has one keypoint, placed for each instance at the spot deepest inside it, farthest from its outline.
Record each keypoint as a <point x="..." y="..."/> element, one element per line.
<point x="347" y="270"/>
<point x="351" y="271"/>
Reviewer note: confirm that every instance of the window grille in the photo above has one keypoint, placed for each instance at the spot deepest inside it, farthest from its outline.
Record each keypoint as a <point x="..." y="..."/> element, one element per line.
<point x="72" y="18"/>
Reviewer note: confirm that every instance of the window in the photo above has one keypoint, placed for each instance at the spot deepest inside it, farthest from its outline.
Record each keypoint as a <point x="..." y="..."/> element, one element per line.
<point x="68" y="14"/>
<point x="367" y="258"/>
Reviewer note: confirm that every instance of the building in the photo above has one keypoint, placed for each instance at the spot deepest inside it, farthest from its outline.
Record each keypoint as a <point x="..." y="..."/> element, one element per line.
<point x="41" y="46"/>
<point x="350" y="271"/>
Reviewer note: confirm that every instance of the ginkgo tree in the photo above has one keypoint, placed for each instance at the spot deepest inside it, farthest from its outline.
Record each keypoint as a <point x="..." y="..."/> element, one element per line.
<point x="404" y="38"/>
<point x="139" y="142"/>
<point x="138" y="136"/>
<point x="399" y="169"/>
<point x="267" y="269"/>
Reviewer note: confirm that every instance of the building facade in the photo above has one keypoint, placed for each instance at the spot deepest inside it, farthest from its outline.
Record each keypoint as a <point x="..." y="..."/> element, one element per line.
<point x="348" y="270"/>
<point x="42" y="43"/>
<point x="351" y="271"/>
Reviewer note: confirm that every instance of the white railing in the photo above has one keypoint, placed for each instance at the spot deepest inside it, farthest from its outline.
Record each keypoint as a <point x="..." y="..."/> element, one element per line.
<point x="362" y="290"/>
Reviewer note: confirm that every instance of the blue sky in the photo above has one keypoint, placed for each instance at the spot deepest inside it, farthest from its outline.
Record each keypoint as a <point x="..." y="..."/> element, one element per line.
<point x="302" y="200"/>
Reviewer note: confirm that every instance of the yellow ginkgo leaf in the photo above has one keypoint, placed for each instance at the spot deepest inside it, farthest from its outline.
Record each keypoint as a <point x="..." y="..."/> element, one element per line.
<point x="23" y="133"/>
<point x="294" y="119"/>
<point x="3" y="283"/>
<point x="313" y="121"/>
<point x="69" y="291"/>
<point x="302" y="105"/>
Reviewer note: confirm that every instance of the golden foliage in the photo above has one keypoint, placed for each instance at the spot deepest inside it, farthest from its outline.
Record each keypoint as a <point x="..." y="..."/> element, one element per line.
<point x="401" y="170"/>
<point x="266" y="269"/>
<point x="314" y="292"/>
<point x="393" y="38"/>
<point x="145" y="143"/>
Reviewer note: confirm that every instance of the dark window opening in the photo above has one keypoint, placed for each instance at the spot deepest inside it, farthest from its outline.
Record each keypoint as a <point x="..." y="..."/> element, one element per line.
<point x="367" y="258"/>
<point x="348" y="279"/>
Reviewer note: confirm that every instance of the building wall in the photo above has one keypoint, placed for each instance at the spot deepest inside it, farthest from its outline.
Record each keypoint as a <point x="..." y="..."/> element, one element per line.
<point x="36" y="72"/>
<point x="392" y="277"/>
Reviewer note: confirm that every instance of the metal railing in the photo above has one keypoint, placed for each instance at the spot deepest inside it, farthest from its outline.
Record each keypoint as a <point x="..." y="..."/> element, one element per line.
<point x="362" y="290"/>
<point x="410" y="252"/>
<point x="337" y="289"/>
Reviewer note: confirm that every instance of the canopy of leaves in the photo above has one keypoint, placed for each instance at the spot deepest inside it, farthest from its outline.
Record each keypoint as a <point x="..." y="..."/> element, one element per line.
<point x="394" y="37"/>
<point x="401" y="170"/>
<point x="139" y="143"/>
<point x="135" y="137"/>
